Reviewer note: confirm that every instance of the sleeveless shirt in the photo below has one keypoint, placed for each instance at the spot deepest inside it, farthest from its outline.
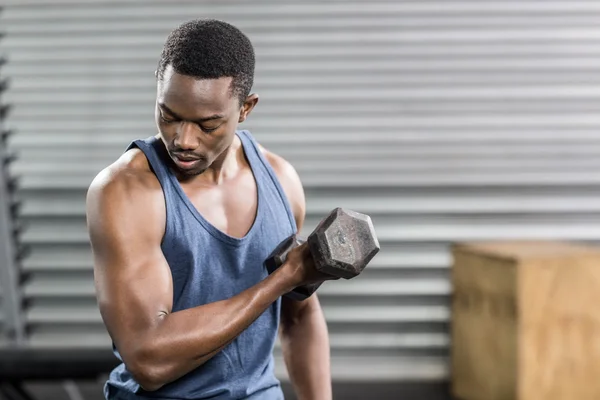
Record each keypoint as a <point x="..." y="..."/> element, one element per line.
<point x="207" y="265"/>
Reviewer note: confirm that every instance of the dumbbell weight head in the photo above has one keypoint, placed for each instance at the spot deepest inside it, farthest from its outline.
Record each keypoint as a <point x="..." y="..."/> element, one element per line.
<point x="343" y="243"/>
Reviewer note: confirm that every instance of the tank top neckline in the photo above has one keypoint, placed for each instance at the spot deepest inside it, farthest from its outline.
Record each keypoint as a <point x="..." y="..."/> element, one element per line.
<point x="210" y="228"/>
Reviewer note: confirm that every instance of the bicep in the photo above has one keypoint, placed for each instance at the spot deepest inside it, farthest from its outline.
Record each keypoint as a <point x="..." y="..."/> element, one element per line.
<point x="132" y="278"/>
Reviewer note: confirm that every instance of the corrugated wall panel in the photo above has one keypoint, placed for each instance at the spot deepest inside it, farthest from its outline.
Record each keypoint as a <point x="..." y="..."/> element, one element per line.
<point x="3" y="328"/>
<point x="444" y="120"/>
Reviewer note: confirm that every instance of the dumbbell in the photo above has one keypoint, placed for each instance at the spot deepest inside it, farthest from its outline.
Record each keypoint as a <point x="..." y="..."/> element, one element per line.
<point x="341" y="245"/>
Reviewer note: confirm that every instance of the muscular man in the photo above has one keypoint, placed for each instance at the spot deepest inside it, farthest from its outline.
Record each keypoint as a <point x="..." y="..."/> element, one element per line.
<point x="180" y="226"/>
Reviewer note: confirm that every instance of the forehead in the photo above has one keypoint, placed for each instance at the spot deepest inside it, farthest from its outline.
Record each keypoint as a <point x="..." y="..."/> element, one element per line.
<point x="186" y="92"/>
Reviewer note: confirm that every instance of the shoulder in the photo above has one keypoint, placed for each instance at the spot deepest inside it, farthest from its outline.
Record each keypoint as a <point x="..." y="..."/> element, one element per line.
<point x="130" y="172"/>
<point x="285" y="171"/>
<point x="290" y="182"/>
<point x="127" y="183"/>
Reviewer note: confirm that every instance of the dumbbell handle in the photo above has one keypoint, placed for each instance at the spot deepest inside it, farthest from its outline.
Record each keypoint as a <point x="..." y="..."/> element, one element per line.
<point x="277" y="259"/>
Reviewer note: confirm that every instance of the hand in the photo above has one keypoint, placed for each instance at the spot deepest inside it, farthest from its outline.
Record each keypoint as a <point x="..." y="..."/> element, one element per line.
<point x="300" y="264"/>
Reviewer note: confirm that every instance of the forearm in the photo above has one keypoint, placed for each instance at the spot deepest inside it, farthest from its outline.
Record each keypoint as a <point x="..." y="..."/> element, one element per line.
<point x="184" y="340"/>
<point x="305" y="346"/>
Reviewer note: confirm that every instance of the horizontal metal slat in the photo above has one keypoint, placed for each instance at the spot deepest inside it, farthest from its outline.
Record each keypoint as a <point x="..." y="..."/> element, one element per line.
<point x="146" y="58"/>
<point x="363" y="165"/>
<point x="147" y="53"/>
<point x="363" y="66"/>
<point x="371" y="35"/>
<point x="343" y="35"/>
<point x="381" y="127"/>
<point x="416" y="93"/>
<point x="358" y="287"/>
<point x="88" y="104"/>
<point x="264" y="10"/>
<point x="63" y="315"/>
<point x="59" y="258"/>
<point x="94" y="111"/>
<point x="379" y="368"/>
<point x="367" y="181"/>
<point x="26" y="79"/>
<point x="470" y="205"/>
<point x="391" y="152"/>
<point x="62" y="287"/>
<point x="69" y="338"/>
<point x="387" y="314"/>
<point x="23" y="70"/>
<point x="458" y="133"/>
<point x="392" y="227"/>
<point x="90" y="111"/>
<point x="151" y="25"/>
<point x="537" y="107"/>
<point x="78" y="258"/>
<point x="74" y="339"/>
<point x="387" y="340"/>
<point x="69" y="205"/>
<point x="334" y="314"/>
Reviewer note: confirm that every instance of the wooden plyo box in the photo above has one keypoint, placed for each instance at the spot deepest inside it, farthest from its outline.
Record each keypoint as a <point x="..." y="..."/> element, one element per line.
<point x="525" y="321"/>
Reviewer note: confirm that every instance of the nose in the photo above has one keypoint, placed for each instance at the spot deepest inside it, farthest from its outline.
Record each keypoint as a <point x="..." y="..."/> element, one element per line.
<point x="186" y="138"/>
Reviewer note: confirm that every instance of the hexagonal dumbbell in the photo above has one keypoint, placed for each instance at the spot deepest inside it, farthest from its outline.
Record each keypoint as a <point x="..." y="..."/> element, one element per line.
<point x="341" y="245"/>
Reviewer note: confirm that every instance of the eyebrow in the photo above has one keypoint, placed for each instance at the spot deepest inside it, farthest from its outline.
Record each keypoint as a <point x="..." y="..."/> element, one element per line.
<point x="197" y="121"/>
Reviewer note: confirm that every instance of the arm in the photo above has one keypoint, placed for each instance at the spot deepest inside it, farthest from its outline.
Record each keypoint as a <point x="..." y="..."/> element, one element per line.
<point x="303" y="334"/>
<point x="126" y="219"/>
<point x="305" y="346"/>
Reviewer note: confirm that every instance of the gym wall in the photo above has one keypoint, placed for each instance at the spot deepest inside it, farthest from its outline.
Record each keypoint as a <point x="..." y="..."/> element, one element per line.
<point x="443" y="120"/>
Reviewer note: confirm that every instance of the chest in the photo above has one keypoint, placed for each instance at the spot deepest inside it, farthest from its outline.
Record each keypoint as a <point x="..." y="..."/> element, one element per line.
<point x="230" y="207"/>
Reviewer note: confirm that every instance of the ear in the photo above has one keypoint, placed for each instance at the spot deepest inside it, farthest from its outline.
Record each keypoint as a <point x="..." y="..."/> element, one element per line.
<point x="248" y="106"/>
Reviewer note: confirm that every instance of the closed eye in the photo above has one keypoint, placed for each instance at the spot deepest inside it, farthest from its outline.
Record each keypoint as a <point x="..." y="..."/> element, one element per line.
<point x="167" y="120"/>
<point x="209" y="130"/>
<point x="173" y="120"/>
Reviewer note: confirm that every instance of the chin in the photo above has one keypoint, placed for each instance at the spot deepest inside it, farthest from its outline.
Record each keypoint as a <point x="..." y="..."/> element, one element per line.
<point x="194" y="169"/>
<point x="191" y="172"/>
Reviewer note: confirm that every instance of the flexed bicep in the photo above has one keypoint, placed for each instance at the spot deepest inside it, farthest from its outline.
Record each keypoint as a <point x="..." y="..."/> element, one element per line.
<point x="132" y="278"/>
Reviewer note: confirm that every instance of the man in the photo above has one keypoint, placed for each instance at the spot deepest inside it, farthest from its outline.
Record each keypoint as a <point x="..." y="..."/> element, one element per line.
<point x="180" y="226"/>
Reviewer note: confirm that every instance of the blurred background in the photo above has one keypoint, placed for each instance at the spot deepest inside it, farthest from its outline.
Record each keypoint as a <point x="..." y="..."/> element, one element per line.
<point x="444" y="120"/>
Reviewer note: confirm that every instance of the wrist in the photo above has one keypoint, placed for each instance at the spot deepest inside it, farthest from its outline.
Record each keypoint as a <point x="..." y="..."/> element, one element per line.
<point x="288" y="277"/>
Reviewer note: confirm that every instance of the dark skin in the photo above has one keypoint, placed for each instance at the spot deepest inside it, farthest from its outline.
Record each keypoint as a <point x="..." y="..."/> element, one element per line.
<point x="126" y="217"/>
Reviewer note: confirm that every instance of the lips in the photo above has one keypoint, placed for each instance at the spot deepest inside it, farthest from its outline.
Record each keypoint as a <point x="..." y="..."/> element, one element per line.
<point x="186" y="162"/>
<point x="186" y="158"/>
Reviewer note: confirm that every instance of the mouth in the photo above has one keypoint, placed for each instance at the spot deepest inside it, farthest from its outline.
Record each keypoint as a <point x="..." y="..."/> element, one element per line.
<point x="186" y="162"/>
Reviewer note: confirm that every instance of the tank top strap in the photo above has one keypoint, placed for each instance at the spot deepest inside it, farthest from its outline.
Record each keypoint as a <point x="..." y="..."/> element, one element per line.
<point x="264" y="172"/>
<point x="157" y="155"/>
<point x="154" y="152"/>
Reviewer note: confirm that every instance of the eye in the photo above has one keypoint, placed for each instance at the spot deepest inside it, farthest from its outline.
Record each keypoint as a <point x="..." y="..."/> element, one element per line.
<point x="166" y="120"/>
<point x="209" y="130"/>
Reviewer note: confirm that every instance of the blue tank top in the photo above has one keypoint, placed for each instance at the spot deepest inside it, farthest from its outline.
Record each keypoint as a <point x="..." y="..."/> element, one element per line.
<point x="208" y="265"/>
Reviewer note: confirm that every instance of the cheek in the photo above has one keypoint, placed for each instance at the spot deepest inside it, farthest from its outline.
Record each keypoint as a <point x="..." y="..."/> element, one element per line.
<point x="224" y="137"/>
<point x="167" y="130"/>
<point x="215" y="145"/>
<point x="218" y="144"/>
<point x="228" y="137"/>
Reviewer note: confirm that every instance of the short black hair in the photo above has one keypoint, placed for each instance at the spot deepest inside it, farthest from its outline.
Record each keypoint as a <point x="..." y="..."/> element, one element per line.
<point x="210" y="49"/>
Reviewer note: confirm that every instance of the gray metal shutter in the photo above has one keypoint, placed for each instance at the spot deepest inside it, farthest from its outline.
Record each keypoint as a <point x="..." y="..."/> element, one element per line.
<point x="11" y="330"/>
<point x="444" y="120"/>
